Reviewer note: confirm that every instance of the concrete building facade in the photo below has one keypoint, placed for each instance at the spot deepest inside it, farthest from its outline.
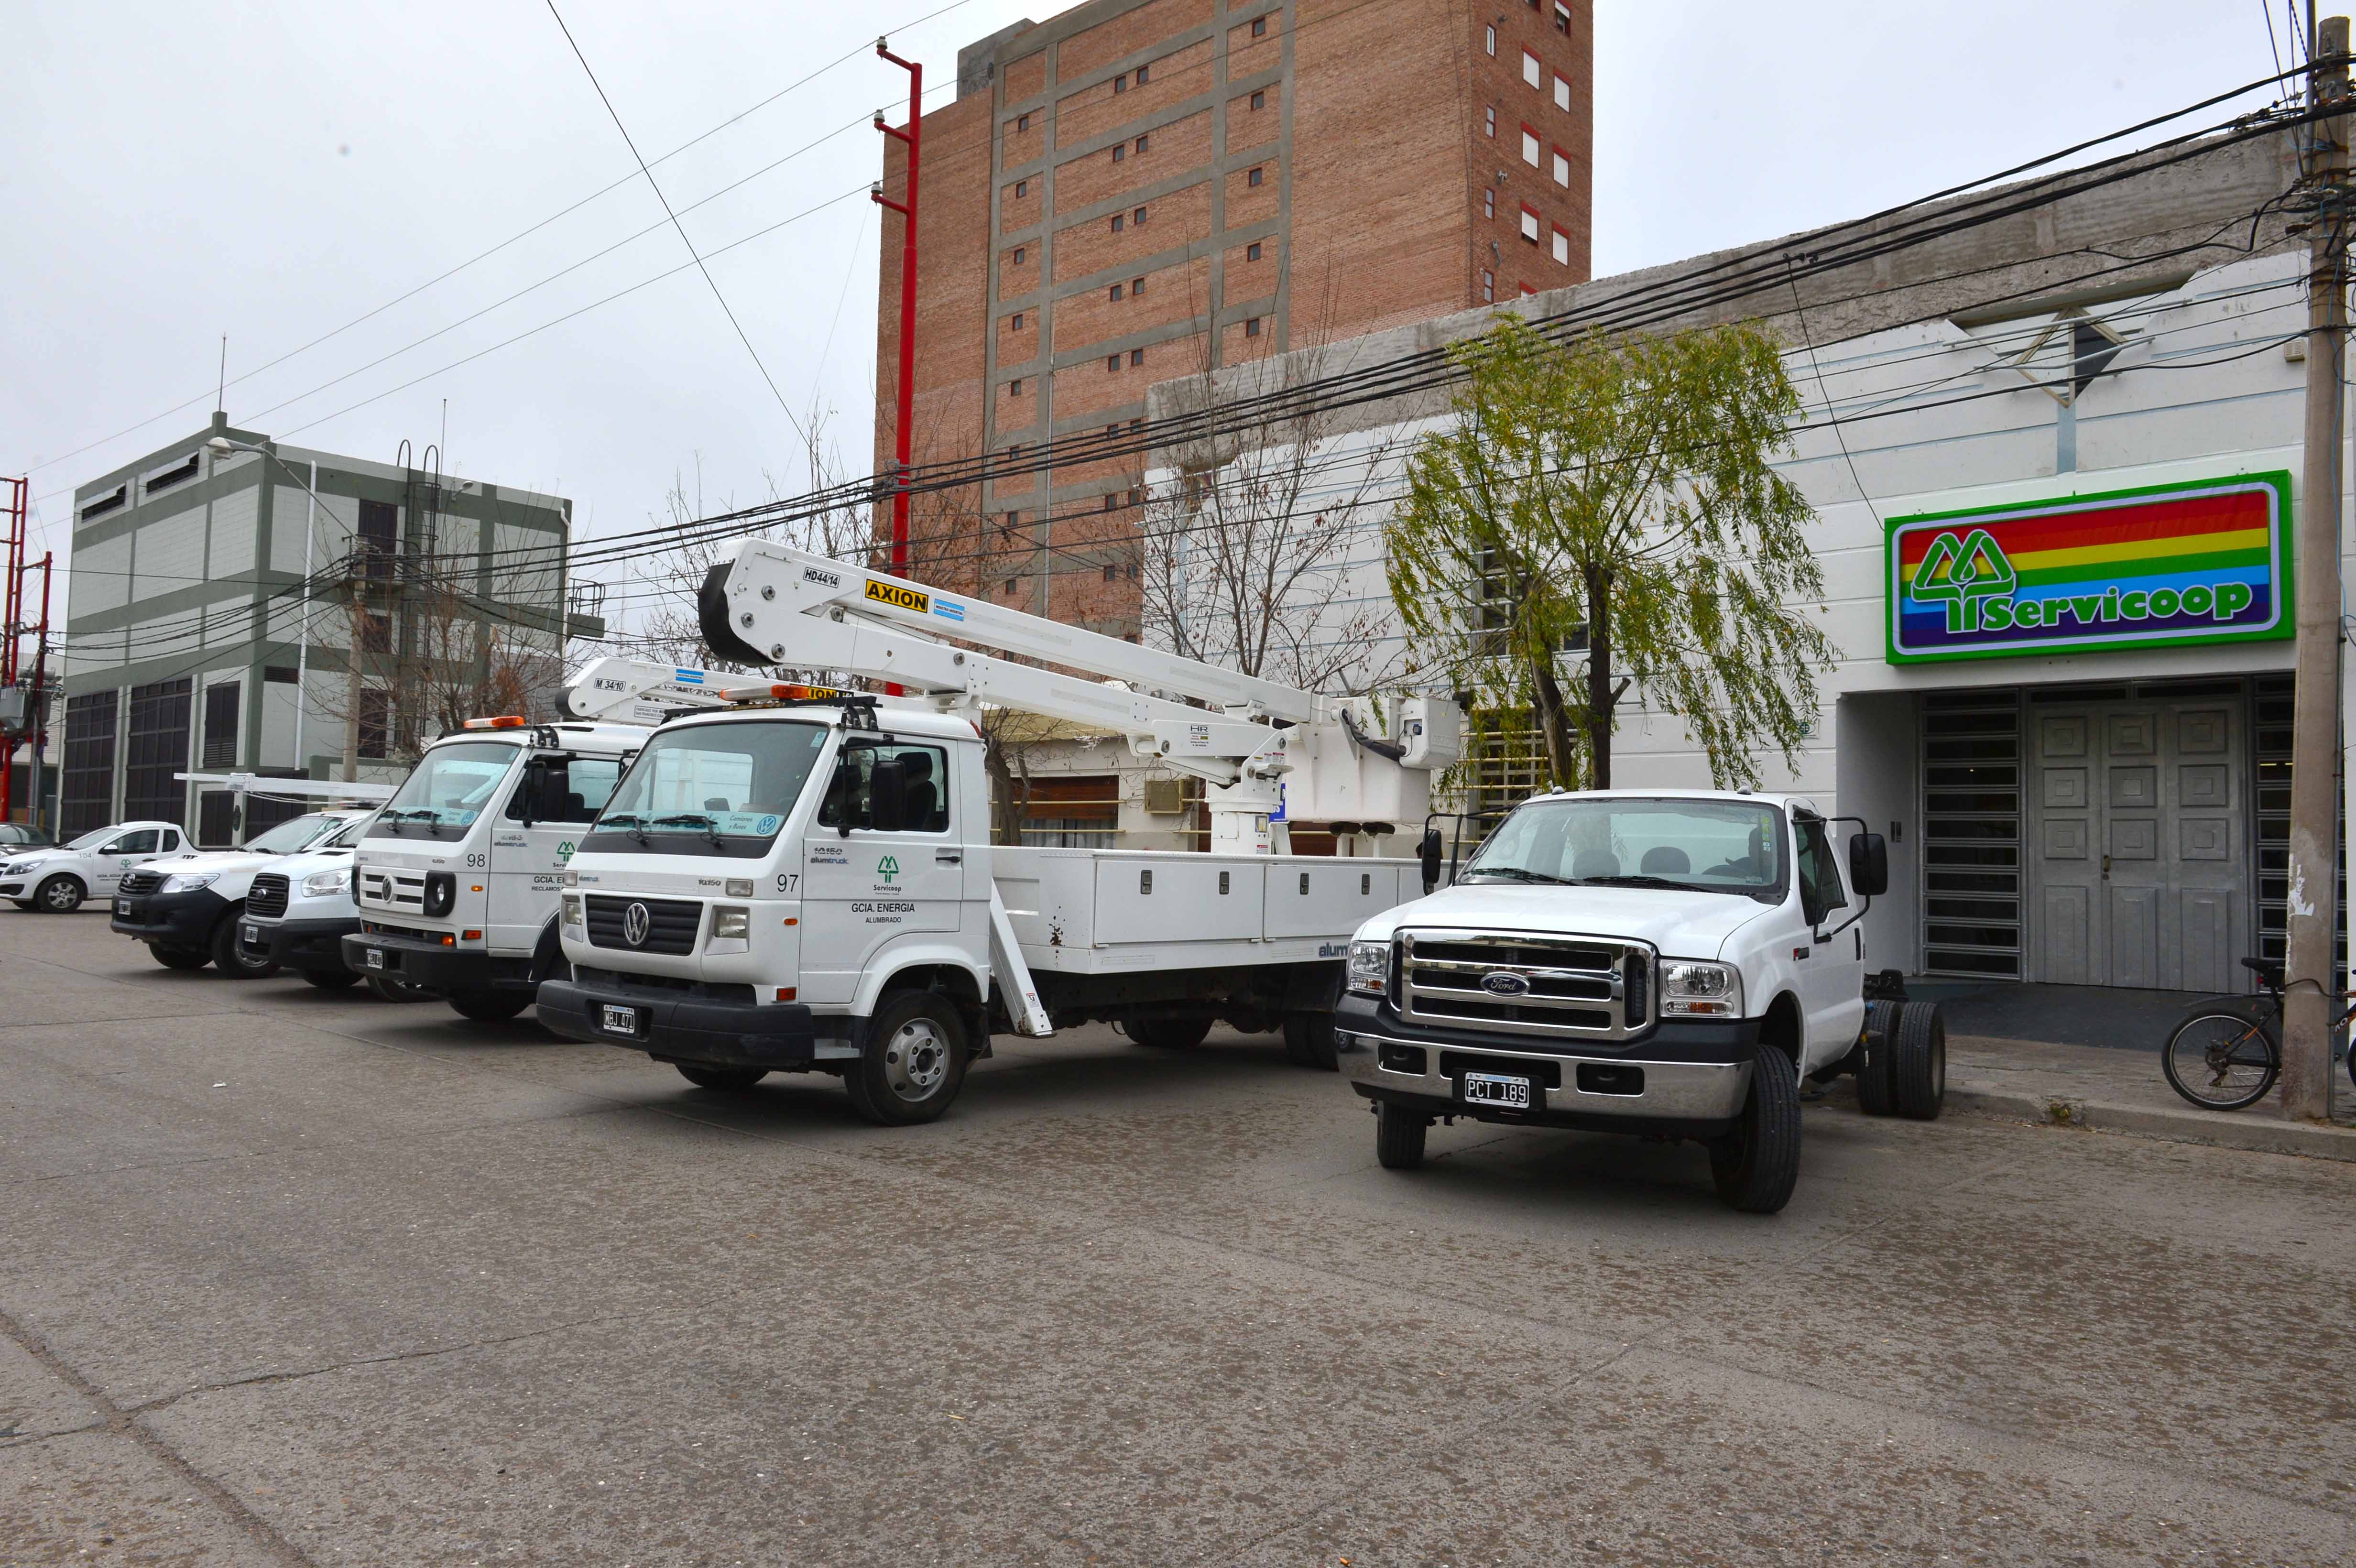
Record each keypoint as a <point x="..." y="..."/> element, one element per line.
<point x="1139" y="189"/>
<point x="209" y="624"/>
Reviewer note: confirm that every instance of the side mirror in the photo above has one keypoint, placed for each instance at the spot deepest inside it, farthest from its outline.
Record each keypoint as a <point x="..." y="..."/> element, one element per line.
<point x="887" y="796"/>
<point x="1429" y="852"/>
<point x="1868" y="864"/>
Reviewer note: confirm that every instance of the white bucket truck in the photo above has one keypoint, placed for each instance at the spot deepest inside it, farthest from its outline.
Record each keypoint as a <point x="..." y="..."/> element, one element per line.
<point x="807" y="882"/>
<point x="1667" y="963"/>
<point x="456" y="878"/>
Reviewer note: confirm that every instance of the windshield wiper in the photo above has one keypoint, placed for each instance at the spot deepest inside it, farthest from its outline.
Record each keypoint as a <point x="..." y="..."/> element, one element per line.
<point x="1641" y="882"/>
<point x="1518" y="873"/>
<point x="636" y="827"/>
<point x="394" y="819"/>
<point x="689" y="819"/>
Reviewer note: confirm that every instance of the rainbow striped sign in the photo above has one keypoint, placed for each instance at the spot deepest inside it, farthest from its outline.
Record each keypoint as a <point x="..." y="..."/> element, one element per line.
<point x="2207" y="561"/>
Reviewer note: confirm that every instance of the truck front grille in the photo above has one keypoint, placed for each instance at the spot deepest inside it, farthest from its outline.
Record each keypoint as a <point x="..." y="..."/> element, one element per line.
<point x="393" y="889"/>
<point x="672" y="923"/>
<point x="1512" y="983"/>
<point x="267" y="896"/>
<point x="140" y="882"/>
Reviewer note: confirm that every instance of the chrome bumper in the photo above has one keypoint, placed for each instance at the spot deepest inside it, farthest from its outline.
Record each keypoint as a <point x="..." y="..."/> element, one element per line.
<point x="1673" y="1090"/>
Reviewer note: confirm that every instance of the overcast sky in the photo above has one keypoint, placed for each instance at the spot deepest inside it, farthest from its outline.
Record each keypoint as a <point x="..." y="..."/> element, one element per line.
<point x="273" y="171"/>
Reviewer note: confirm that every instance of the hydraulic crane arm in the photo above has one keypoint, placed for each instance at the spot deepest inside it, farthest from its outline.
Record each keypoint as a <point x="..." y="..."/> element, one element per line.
<point x="630" y="691"/>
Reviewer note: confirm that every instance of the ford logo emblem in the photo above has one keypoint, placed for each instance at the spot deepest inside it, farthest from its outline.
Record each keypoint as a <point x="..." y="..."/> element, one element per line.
<point x="637" y="922"/>
<point x="1498" y="983"/>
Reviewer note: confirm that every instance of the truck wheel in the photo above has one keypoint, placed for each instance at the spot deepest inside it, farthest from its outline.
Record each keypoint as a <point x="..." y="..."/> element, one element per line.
<point x="1918" y="1066"/>
<point x="1882" y="1020"/>
<point x="1398" y="1135"/>
<point x="721" y="1080"/>
<point x="914" y="1061"/>
<point x="388" y="989"/>
<point x="490" y="1007"/>
<point x="232" y="960"/>
<point x="1757" y="1164"/>
<point x="330" y="979"/>
<point x="179" y="958"/>
<point x="59" y="895"/>
<point x="1168" y="1031"/>
<point x="1308" y="1040"/>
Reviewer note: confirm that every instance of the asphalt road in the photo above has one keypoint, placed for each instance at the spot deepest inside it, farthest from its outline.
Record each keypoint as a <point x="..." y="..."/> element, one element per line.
<point x="298" y="1276"/>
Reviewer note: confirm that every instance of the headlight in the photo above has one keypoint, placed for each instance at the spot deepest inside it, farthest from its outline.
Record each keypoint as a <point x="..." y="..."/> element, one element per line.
<point x="573" y="915"/>
<point x="188" y="882"/>
<point x="731" y="920"/>
<point x="1370" y="967"/>
<point x="441" y="893"/>
<point x="326" y="884"/>
<point x="29" y="863"/>
<point x="567" y="879"/>
<point x="1700" y="990"/>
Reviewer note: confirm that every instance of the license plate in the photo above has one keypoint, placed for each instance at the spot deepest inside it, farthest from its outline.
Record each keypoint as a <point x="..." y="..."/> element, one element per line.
<point x="375" y="957"/>
<point x="1495" y="1089"/>
<point x="618" y="1020"/>
<point x="253" y="933"/>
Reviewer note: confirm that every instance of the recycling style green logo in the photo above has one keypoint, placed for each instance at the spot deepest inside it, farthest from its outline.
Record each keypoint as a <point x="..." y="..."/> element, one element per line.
<point x="1964" y="574"/>
<point x="565" y="850"/>
<point x="888" y="867"/>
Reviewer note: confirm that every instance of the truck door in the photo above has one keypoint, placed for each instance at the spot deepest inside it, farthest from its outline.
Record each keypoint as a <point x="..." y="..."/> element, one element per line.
<point x="551" y="805"/>
<point x="864" y="888"/>
<point x="1832" y="976"/>
<point x="119" y="855"/>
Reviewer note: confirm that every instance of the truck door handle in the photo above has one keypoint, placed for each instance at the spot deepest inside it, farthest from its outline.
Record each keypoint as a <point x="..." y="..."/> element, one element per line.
<point x="2106" y="867"/>
<point x="948" y="856"/>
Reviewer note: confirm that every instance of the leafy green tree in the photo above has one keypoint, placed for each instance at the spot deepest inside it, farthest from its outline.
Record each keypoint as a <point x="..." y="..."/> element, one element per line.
<point x="1614" y="494"/>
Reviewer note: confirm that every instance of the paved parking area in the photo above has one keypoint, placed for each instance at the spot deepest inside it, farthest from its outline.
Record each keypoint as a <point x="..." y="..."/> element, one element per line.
<point x="293" y="1276"/>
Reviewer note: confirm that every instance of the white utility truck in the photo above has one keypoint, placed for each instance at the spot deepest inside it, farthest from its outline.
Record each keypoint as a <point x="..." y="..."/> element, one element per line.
<point x="807" y="882"/>
<point x="456" y="879"/>
<point x="1668" y="963"/>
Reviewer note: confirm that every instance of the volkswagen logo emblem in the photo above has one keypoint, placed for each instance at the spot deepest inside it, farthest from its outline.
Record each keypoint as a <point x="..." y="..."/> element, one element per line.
<point x="637" y="922"/>
<point x="1497" y="982"/>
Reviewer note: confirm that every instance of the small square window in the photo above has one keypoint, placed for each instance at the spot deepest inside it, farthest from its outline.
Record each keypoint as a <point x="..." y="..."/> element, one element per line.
<point x="1013" y="519"/>
<point x="1010" y="587"/>
<point x="1132" y="577"/>
<point x="1251" y="327"/>
<point x="1023" y="122"/>
<point x="1021" y="190"/>
<point x="1561" y="18"/>
<point x="1532" y="73"/>
<point x="1561" y="94"/>
<point x="1120" y="84"/>
<point x="1488" y="287"/>
<point x="1252" y="251"/>
<point x="1113" y="428"/>
<point x="1141" y="71"/>
<point x="1014" y="453"/>
<point x="1111" y="502"/>
<point x="1561" y="169"/>
<point x="1259" y="99"/>
<point x="1137" y="356"/>
<point x="1111" y="573"/>
<point x="1136" y="287"/>
<point x="1014" y="387"/>
<point x="1562" y="247"/>
<point x="1529" y="147"/>
<point x="1118" y="220"/>
<point x="1137" y="217"/>
<point x="1136" y="424"/>
<point x="1253" y="177"/>
<point x="1492" y="39"/>
<point x="1113" y="362"/>
<point x="1530" y="226"/>
<point x="1490" y="121"/>
<point x="1018" y="255"/>
<point x="1116" y="291"/>
<point x="1120" y="151"/>
<point x="1135" y="496"/>
<point x="1141" y="142"/>
<point x="1018" y="321"/>
<point x="1488" y="203"/>
<point x="1259" y="26"/>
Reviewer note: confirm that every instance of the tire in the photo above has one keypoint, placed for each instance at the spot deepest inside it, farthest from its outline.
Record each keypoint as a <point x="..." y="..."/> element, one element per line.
<point x="330" y="979"/>
<point x="179" y="958"/>
<point x="719" y="1079"/>
<point x="1873" y="1053"/>
<point x="913" y="1063"/>
<point x="2223" y="1059"/>
<point x="490" y="1007"/>
<point x="1168" y="1031"/>
<point x="1308" y="1040"/>
<point x="231" y="960"/>
<point x="1398" y="1135"/>
<point x="59" y="895"/>
<point x="1756" y="1165"/>
<point x="388" y="989"/>
<point x="1918" y="1062"/>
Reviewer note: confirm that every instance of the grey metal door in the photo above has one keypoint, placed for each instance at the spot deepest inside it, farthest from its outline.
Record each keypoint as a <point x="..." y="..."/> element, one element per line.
<point x="2137" y="861"/>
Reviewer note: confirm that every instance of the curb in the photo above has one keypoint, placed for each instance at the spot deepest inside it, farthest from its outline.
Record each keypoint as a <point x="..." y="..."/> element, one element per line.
<point x="2255" y="1130"/>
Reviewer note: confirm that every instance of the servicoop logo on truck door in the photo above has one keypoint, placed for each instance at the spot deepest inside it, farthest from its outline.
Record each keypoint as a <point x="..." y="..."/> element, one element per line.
<point x="2166" y="565"/>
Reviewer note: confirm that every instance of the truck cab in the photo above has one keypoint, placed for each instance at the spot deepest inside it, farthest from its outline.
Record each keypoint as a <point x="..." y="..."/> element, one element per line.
<point x="1670" y="963"/>
<point x="457" y="878"/>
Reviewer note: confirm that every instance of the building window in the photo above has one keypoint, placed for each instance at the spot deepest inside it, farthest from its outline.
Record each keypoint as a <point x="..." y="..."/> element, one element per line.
<point x="1529" y="147"/>
<point x="1530" y="224"/>
<point x="1137" y="356"/>
<point x="1562" y="169"/>
<point x="1136" y="423"/>
<point x="1259" y="99"/>
<point x="1018" y="255"/>
<point x="1118" y="219"/>
<point x="1136" y="287"/>
<point x="86" y="793"/>
<point x="102" y="506"/>
<point x="1561" y="246"/>
<point x="1488" y="288"/>
<point x="1116" y="291"/>
<point x="220" y="725"/>
<point x="1490" y="117"/>
<point x="155" y="746"/>
<point x="163" y="478"/>
<point x="1112" y="363"/>
<point x="1528" y="291"/>
<point x="1140" y="143"/>
<point x="1023" y="122"/>
<point x="1014" y="387"/>
<point x="1013" y="521"/>
<point x="1492" y="33"/>
<point x="1137" y="217"/>
<point x="1561" y="94"/>
<point x="1259" y="26"/>
<point x="1142" y="72"/>
<point x="1532" y="73"/>
<point x="1252" y="178"/>
<point x="1120" y="84"/>
<point x="376" y="538"/>
<point x="1021" y="190"/>
<point x="1113" y="428"/>
<point x="376" y="632"/>
<point x="1252" y="251"/>
<point x="1111" y="502"/>
<point x="1111" y="573"/>
<point x="1120" y="151"/>
<point x="1251" y="327"/>
<point x="1010" y="587"/>
<point x="1561" y="18"/>
<point x="1018" y="321"/>
<point x="1488" y="202"/>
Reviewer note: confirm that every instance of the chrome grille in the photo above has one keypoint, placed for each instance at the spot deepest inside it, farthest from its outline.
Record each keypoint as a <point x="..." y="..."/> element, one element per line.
<point x="267" y="896"/>
<point x="392" y="890"/>
<point x="140" y="882"/>
<point x="1564" y="987"/>
<point x="672" y="923"/>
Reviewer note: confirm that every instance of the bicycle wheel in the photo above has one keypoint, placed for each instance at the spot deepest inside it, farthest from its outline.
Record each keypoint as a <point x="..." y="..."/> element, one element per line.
<point x="2223" y="1061"/>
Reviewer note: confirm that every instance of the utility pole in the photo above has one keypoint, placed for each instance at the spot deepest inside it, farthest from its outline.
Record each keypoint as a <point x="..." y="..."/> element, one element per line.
<point x="355" y="590"/>
<point x="2310" y="968"/>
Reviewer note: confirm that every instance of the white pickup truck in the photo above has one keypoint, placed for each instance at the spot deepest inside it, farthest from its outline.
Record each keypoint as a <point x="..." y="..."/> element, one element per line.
<point x="1669" y="962"/>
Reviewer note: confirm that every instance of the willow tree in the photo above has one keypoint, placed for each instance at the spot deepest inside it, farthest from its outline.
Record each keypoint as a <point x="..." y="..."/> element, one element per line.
<point x="1613" y="496"/>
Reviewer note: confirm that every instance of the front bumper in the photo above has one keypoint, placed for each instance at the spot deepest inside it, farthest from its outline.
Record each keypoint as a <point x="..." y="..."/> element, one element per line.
<point x="673" y="1025"/>
<point x="1686" y="1080"/>
<point x="169" y="920"/>
<point x="296" y="944"/>
<point x="431" y="966"/>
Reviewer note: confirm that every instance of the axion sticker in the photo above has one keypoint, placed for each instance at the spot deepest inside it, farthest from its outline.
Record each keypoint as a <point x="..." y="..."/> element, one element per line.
<point x="892" y="593"/>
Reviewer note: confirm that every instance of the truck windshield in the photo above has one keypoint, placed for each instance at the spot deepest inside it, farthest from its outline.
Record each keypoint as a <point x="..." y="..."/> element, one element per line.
<point x="1712" y="846"/>
<point x="292" y="833"/>
<point x="450" y="788"/>
<point x="711" y="789"/>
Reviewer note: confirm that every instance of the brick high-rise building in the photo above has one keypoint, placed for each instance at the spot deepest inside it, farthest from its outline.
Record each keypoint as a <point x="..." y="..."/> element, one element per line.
<point x="1138" y="190"/>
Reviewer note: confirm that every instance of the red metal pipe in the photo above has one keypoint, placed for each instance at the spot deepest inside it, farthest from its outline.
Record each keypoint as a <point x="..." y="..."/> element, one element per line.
<point x="12" y="611"/>
<point x="914" y="137"/>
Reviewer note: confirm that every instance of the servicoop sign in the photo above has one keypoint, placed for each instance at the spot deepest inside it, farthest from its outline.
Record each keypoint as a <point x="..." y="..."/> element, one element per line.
<point x="2158" y="567"/>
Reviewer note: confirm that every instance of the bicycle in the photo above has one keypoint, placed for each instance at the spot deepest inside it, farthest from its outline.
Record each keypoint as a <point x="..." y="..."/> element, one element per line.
<point x="2228" y="1054"/>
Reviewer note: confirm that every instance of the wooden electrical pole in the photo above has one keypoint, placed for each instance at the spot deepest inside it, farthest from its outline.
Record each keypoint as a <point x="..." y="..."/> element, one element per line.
<point x="354" y="599"/>
<point x="2310" y="965"/>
